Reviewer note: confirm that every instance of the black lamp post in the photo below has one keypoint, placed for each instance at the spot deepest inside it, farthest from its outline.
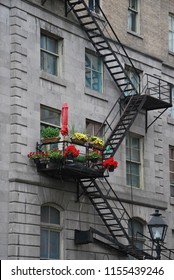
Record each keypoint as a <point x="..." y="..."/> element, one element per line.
<point x="157" y="229"/>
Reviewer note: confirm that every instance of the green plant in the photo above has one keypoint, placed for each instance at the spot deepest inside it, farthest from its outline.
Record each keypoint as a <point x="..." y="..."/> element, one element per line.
<point x="55" y="154"/>
<point x="81" y="158"/>
<point x="94" y="154"/>
<point x="48" y="132"/>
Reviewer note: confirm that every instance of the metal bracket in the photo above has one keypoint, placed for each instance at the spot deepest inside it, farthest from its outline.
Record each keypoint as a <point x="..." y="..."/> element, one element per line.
<point x="147" y="126"/>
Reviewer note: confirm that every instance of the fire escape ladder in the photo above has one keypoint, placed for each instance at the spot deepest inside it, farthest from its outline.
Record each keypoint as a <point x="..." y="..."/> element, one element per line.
<point x="110" y="209"/>
<point x="120" y="129"/>
<point x="102" y="37"/>
<point x="114" y="215"/>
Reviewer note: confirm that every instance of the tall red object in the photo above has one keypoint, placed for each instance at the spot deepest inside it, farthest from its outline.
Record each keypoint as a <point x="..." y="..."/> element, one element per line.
<point x="64" y="128"/>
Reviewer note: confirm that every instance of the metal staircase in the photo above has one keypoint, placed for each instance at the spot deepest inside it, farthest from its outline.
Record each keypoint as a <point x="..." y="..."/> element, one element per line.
<point x="132" y="99"/>
<point x="116" y="125"/>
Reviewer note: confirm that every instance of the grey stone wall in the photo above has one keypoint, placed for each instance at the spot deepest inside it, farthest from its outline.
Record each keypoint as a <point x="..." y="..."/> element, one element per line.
<point x="24" y="88"/>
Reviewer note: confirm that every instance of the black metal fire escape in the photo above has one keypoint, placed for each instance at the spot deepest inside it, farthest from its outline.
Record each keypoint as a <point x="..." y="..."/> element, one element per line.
<point x="131" y="101"/>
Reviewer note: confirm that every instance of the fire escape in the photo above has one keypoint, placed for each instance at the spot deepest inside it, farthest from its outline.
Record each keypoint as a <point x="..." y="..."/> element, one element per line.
<point x="151" y="93"/>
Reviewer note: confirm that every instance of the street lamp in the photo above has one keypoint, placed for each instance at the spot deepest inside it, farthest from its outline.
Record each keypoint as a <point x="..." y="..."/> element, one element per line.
<point x="157" y="229"/>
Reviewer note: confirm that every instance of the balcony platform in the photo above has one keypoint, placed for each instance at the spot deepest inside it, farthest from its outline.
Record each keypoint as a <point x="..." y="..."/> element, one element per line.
<point x="67" y="170"/>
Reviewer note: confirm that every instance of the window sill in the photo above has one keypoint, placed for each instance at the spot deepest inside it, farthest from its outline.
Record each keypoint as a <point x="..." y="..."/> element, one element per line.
<point x="170" y="120"/>
<point x="172" y="200"/>
<point x="53" y="79"/>
<point x="95" y="94"/>
<point x="171" y="53"/>
<point x="134" y="34"/>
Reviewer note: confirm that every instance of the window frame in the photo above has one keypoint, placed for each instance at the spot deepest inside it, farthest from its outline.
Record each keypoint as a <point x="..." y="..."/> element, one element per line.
<point x="136" y="13"/>
<point x="138" y="163"/>
<point x="46" y="124"/>
<point x="95" y="130"/>
<point x="93" y="7"/>
<point x="138" y="240"/>
<point x="171" y="31"/>
<point x="171" y="109"/>
<point x="134" y="76"/>
<point x="56" y="55"/>
<point x="54" y="228"/>
<point x="90" y="68"/>
<point x="171" y="172"/>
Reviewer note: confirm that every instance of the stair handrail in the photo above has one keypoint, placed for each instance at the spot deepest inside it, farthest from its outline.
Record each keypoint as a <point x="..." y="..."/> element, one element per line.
<point x="115" y="195"/>
<point x="94" y="18"/>
<point x="124" y="50"/>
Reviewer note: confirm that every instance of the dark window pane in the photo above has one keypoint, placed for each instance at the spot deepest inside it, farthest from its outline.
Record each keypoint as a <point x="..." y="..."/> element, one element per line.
<point x="54" y="245"/>
<point x="44" y="244"/>
<point x="45" y="214"/>
<point x="50" y="116"/>
<point x="54" y="216"/>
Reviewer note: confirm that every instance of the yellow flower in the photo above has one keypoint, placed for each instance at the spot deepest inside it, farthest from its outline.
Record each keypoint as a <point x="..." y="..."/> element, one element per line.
<point x="80" y="136"/>
<point x="96" y="140"/>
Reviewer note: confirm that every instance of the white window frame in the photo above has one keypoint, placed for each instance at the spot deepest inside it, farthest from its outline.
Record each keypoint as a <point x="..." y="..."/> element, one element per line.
<point x="171" y="109"/>
<point x="171" y="172"/>
<point x="138" y="163"/>
<point x="56" y="228"/>
<point x="46" y="124"/>
<point x="57" y="55"/>
<point x="171" y="33"/>
<point x="91" y="70"/>
<point x="136" y="13"/>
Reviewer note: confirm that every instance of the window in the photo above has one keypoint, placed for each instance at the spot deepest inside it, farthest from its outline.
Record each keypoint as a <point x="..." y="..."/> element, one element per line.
<point x="93" y="72"/>
<point x="94" y="5"/>
<point x="133" y="16"/>
<point x="50" y="240"/>
<point x="135" y="79"/>
<point x="171" y="169"/>
<point x="49" y="117"/>
<point x="134" y="161"/>
<point x="171" y="109"/>
<point x="135" y="230"/>
<point x="171" y="33"/>
<point x="92" y="128"/>
<point x="50" y="54"/>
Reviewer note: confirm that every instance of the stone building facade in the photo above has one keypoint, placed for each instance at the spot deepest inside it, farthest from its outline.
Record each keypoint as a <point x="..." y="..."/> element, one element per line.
<point x="27" y="90"/>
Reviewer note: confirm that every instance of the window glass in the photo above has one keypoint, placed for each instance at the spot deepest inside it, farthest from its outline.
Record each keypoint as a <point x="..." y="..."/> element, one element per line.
<point x="44" y="244"/>
<point x="171" y="169"/>
<point x="135" y="229"/>
<point x="94" y="128"/>
<point x="94" y="5"/>
<point x="133" y="16"/>
<point x="134" y="78"/>
<point x="50" y="233"/>
<point x="133" y="161"/>
<point x="93" y="72"/>
<point x="49" y="54"/>
<point x="50" y="116"/>
<point x="171" y="33"/>
<point x="171" y="109"/>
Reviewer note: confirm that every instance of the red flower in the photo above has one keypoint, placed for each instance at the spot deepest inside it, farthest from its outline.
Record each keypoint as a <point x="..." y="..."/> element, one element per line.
<point x="71" y="149"/>
<point x="110" y="162"/>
